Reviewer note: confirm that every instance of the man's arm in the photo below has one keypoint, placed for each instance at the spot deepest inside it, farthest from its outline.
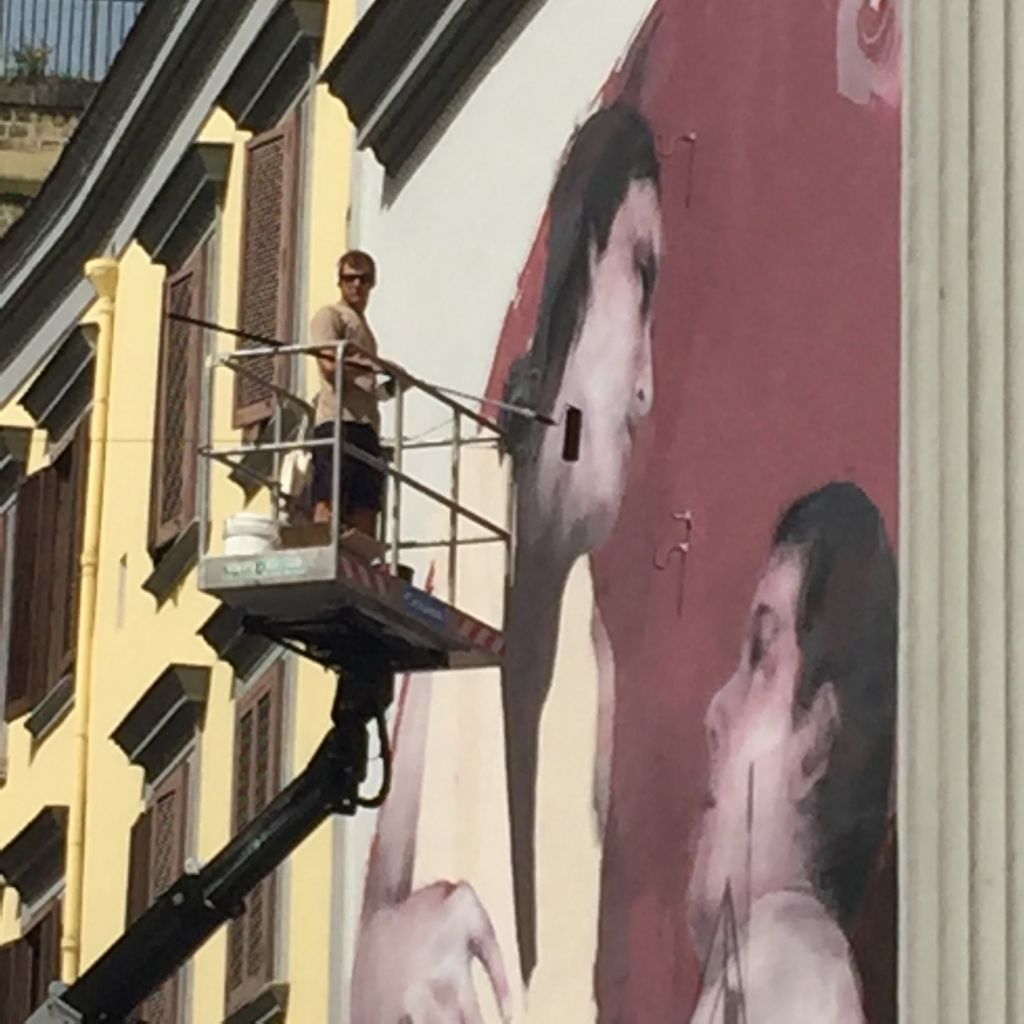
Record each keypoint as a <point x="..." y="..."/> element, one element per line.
<point x="396" y="379"/>
<point x="325" y="330"/>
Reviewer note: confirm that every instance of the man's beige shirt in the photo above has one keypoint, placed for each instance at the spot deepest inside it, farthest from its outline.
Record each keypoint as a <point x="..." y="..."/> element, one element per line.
<point x="339" y="322"/>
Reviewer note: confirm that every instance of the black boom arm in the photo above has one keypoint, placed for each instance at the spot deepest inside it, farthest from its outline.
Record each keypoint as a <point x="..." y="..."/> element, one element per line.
<point x="167" y="934"/>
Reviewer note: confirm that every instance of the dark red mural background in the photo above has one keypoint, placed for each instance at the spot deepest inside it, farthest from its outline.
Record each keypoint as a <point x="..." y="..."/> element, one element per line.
<point x="776" y="368"/>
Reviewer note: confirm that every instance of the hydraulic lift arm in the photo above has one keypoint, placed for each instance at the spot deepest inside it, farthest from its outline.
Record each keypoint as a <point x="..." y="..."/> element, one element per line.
<point x="187" y="914"/>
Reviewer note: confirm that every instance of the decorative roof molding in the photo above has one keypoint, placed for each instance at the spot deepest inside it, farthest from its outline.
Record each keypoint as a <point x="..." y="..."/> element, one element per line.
<point x="173" y="563"/>
<point x="52" y="709"/>
<point x="407" y="60"/>
<point x="165" y="718"/>
<point x="33" y="861"/>
<point x="277" y="67"/>
<point x="144" y="117"/>
<point x="62" y="393"/>
<point x="186" y="206"/>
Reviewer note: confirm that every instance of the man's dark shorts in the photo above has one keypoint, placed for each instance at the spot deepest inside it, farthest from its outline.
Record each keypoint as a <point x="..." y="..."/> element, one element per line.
<point x="362" y="486"/>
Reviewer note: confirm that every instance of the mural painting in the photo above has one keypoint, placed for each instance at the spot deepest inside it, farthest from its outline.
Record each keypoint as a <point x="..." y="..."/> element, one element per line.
<point x="702" y="628"/>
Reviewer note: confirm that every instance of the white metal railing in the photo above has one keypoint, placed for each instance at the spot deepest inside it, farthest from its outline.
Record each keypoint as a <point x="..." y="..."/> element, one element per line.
<point x="393" y="530"/>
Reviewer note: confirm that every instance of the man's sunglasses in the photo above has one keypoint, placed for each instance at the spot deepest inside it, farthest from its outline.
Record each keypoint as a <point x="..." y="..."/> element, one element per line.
<point x="357" y="278"/>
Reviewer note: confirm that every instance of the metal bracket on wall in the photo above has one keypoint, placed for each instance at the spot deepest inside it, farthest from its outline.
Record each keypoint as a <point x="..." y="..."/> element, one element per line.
<point x="681" y="549"/>
<point x="689" y="139"/>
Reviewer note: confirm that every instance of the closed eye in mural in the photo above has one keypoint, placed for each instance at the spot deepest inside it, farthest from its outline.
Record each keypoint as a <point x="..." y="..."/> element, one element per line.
<point x="800" y="742"/>
<point x="678" y="847"/>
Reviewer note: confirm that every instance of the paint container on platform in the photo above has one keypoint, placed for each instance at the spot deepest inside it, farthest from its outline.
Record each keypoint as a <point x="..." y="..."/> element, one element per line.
<point x="248" y="533"/>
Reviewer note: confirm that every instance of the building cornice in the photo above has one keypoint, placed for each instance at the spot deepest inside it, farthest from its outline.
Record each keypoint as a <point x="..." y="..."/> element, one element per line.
<point x="62" y="392"/>
<point x="407" y="60"/>
<point x="186" y="206"/>
<point x="277" y="67"/>
<point x="34" y="859"/>
<point x="165" y="718"/>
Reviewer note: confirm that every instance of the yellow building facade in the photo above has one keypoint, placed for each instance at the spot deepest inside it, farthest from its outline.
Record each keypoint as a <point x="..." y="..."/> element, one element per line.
<point x="122" y="745"/>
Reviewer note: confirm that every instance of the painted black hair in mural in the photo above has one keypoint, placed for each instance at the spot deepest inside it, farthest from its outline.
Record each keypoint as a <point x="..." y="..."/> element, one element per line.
<point x="847" y="631"/>
<point x="612" y="149"/>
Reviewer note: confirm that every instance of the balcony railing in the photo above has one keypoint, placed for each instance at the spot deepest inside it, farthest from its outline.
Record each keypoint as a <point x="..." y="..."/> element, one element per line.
<point x="43" y="40"/>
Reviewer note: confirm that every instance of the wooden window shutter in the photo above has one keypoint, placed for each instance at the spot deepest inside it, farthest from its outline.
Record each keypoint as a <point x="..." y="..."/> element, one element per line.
<point x="80" y="476"/>
<point x="266" y="299"/>
<point x="251" y="947"/>
<point x="68" y="518"/>
<point x="44" y="940"/>
<point x="166" y="864"/>
<point x="26" y="634"/>
<point x="9" y="1011"/>
<point x="139" y="847"/>
<point x="179" y="384"/>
<point x="49" y="525"/>
<point x="49" y="574"/>
<point x="138" y="867"/>
<point x="20" y="991"/>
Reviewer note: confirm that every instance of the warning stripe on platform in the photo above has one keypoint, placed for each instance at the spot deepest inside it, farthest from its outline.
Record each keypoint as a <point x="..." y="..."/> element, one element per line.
<point x="380" y="582"/>
<point x="479" y="635"/>
<point x="360" y="573"/>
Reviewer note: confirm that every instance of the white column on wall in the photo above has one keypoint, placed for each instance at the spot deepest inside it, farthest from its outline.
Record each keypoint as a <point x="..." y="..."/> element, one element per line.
<point x="962" y="550"/>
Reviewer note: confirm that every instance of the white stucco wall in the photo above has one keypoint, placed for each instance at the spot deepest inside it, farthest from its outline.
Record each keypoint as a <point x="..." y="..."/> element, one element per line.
<point x="961" y="700"/>
<point x="451" y="239"/>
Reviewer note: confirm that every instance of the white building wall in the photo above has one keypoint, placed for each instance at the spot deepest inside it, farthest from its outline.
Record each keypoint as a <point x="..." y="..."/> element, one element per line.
<point x="451" y="237"/>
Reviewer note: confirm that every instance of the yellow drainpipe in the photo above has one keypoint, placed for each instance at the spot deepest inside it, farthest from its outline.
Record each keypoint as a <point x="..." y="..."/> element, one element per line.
<point x="102" y="273"/>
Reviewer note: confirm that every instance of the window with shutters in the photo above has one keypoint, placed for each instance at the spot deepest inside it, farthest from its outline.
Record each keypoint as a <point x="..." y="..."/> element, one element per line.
<point x="156" y="861"/>
<point x="179" y="385"/>
<point x="269" y="237"/>
<point x="29" y="965"/>
<point x="257" y="777"/>
<point x="48" y="533"/>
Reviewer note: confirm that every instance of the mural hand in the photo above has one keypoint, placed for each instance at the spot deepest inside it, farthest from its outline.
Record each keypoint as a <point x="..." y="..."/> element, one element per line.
<point x="414" y="961"/>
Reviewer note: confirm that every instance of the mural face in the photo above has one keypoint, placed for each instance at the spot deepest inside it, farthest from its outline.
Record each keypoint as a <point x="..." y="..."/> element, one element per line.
<point x="697" y="793"/>
<point x="609" y="368"/>
<point x="800" y="743"/>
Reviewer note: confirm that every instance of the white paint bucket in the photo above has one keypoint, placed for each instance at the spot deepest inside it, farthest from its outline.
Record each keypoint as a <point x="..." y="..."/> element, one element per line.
<point x="247" y="533"/>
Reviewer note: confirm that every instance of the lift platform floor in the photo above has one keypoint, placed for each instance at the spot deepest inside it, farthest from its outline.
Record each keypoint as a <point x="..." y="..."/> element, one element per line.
<point x="304" y="597"/>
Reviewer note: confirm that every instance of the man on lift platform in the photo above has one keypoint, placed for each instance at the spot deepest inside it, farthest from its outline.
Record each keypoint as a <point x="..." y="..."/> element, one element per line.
<point x="361" y="485"/>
